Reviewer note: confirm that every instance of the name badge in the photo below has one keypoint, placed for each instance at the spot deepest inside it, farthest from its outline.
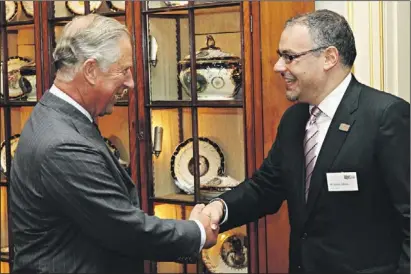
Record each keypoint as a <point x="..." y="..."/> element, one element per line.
<point x="342" y="181"/>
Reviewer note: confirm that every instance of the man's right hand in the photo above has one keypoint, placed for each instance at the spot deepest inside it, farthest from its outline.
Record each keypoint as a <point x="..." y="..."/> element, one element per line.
<point x="211" y="234"/>
<point x="215" y="210"/>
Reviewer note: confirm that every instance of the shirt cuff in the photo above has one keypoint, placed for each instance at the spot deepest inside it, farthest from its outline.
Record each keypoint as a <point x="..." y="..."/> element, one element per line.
<point x="203" y="234"/>
<point x="225" y="211"/>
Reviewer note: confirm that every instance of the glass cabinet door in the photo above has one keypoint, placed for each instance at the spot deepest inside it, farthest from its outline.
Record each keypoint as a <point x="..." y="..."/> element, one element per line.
<point x="196" y="117"/>
<point x="19" y="92"/>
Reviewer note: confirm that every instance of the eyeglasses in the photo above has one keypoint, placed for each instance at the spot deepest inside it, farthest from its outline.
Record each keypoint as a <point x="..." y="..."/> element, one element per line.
<point x="288" y="58"/>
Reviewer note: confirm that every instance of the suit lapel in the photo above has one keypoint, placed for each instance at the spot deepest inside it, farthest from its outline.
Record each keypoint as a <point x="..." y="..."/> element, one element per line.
<point x="297" y="151"/>
<point x="333" y="141"/>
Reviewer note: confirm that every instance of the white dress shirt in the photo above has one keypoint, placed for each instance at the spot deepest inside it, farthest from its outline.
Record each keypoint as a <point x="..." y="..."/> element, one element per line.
<point x="62" y="95"/>
<point x="328" y="108"/>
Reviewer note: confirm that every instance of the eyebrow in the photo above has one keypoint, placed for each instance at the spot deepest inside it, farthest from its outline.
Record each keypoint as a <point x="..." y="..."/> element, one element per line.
<point x="287" y="51"/>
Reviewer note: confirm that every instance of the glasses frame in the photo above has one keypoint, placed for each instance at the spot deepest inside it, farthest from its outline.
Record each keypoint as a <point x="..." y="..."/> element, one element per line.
<point x="289" y="58"/>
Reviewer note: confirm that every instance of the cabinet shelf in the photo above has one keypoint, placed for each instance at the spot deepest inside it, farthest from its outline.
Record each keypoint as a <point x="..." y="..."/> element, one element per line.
<point x="176" y="198"/>
<point x="12" y="25"/>
<point x="18" y="103"/>
<point x="65" y="19"/>
<point x="186" y="199"/>
<point x="198" y="8"/>
<point x="218" y="104"/>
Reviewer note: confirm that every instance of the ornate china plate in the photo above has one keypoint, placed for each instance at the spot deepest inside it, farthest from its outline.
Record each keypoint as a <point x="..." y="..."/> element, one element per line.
<point x="11" y="10"/>
<point x="77" y="7"/>
<point x="28" y="8"/>
<point x="13" y="145"/>
<point x="175" y="3"/>
<point x="182" y="163"/>
<point x="229" y="255"/>
<point x="13" y="66"/>
<point x="117" y="5"/>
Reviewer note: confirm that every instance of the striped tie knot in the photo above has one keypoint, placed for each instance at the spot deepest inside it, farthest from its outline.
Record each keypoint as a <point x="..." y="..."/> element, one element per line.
<point x="315" y="113"/>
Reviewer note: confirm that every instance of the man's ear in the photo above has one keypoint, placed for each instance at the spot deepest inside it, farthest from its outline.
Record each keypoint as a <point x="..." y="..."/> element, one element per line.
<point x="332" y="57"/>
<point x="90" y="71"/>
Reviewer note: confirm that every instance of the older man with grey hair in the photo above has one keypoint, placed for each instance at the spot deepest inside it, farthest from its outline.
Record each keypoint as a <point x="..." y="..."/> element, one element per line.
<point x="73" y="207"/>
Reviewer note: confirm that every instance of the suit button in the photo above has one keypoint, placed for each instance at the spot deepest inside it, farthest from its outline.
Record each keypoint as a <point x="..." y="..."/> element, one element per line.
<point x="299" y="267"/>
<point x="304" y="236"/>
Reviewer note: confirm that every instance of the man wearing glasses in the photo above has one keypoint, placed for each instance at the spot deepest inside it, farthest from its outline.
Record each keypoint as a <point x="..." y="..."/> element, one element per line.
<point x="340" y="159"/>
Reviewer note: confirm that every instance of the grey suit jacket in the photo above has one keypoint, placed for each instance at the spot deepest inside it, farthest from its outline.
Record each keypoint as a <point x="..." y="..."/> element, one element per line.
<point x="75" y="209"/>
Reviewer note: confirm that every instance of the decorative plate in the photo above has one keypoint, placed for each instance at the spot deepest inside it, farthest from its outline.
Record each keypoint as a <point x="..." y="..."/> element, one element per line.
<point x="175" y="3"/>
<point x="11" y="10"/>
<point x="117" y="5"/>
<point x="229" y="255"/>
<point x="28" y="8"/>
<point x="13" y="145"/>
<point x="211" y="160"/>
<point x="77" y="7"/>
<point x="13" y="66"/>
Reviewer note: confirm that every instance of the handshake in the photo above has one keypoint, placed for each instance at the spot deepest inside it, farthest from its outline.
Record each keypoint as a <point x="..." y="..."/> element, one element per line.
<point x="209" y="216"/>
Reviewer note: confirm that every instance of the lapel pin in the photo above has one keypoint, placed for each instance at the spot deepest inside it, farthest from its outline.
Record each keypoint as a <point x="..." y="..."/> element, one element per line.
<point x="344" y="127"/>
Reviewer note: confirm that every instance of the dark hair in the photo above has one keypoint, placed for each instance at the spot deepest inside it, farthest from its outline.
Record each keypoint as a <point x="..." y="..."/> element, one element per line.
<point x="328" y="28"/>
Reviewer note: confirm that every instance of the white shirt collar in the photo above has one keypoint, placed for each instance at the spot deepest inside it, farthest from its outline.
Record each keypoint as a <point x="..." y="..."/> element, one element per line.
<point x="330" y="103"/>
<point x="62" y="95"/>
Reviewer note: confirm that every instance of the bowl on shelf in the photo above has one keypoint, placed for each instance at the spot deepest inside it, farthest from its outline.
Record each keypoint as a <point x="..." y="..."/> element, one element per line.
<point x="218" y="73"/>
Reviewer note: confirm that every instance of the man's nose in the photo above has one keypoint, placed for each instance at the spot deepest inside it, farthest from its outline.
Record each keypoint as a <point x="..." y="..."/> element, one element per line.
<point x="129" y="81"/>
<point x="279" y="65"/>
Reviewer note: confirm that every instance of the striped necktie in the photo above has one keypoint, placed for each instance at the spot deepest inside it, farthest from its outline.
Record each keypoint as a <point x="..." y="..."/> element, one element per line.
<point x="310" y="147"/>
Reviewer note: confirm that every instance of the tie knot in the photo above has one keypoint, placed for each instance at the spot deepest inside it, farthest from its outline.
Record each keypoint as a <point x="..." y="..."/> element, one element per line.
<point x="315" y="113"/>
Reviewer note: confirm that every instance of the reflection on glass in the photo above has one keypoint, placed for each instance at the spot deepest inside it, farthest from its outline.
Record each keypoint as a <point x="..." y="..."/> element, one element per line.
<point x="219" y="126"/>
<point x="177" y="127"/>
<point x="167" y="43"/>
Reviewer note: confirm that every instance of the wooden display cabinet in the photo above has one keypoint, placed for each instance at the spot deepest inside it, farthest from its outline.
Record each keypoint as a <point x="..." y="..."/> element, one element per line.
<point x="19" y="90"/>
<point x="202" y="120"/>
<point x="240" y="128"/>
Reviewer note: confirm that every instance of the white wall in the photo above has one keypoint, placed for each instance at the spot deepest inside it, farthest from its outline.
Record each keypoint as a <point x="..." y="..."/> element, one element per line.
<point x="382" y="34"/>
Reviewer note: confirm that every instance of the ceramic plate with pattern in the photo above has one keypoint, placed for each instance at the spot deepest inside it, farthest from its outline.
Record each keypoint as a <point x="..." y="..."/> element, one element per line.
<point x="77" y="7"/>
<point x="11" y="10"/>
<point x="117" y="5"/>
<point x="229" y="255"/>
<point x="182" y="163"/>
<point x="28" y="8"/>
<point x="14" y="140"/>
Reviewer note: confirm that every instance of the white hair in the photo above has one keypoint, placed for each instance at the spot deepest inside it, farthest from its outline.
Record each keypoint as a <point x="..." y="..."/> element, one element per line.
<point x="90" y="36"/>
